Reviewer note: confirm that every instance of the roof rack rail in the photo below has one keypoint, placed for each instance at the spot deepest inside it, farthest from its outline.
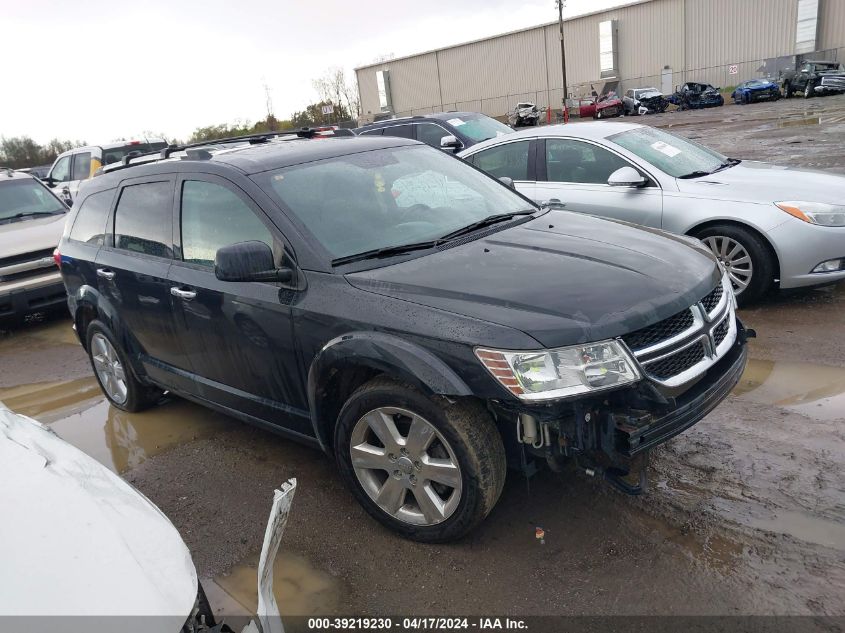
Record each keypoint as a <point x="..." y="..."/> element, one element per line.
<point x="194" y="151"/>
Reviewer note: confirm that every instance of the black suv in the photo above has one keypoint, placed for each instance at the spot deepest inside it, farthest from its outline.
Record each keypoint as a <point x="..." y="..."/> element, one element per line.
<point x="452" y="131"/>
<point x="401" y="310"/>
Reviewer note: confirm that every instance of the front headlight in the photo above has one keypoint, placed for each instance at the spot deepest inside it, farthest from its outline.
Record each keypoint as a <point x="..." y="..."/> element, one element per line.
<point x="562" y="372"/>
<point x="819" y="213"/>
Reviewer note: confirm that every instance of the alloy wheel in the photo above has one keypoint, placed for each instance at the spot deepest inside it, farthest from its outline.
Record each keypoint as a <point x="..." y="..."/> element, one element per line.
<point x="109" y="369"/>
<point x="734" y="258"/>
<point x="406" y="466"/>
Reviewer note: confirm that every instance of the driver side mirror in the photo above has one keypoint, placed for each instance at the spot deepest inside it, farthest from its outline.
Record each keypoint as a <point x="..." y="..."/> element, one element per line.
<point x="248" y="261"/>
<point x="451" y="143"/>
<point x="626" y="177"/>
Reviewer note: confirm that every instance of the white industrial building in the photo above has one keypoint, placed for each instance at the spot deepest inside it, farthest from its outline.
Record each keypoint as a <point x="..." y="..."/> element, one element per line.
<point x="660" y="43"/>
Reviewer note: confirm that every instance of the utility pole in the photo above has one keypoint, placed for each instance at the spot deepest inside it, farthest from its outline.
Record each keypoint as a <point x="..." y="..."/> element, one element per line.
<point x="560" y="4"/>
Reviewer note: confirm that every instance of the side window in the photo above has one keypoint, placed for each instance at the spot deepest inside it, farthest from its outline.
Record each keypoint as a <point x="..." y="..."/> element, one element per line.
<point x="629" y="93"/>
<point x="90" y="223"/>
<point x="61" y="171"/>
<point x="143" y="219"/>
<point x="81" y="166"/>
<point x="575" y="161"/>
<point x="376" y="132"/>
<point x="214" y="216"/>
<point x="403" y="131"/>
<point x="508" y="159"/>
<point x="431" y="133"/>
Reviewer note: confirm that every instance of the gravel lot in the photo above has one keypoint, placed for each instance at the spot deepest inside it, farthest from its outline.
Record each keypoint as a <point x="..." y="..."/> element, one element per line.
<point x="745" y="515"/>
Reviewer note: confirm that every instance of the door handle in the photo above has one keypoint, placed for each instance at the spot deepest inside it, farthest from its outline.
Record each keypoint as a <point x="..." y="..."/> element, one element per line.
<point x="105" y="273"/>
<point x="185" y="295"/>
<point x="554" y="203"/>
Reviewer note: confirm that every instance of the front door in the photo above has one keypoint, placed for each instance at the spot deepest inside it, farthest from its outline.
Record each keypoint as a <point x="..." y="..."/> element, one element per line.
<point x="80" y="170"/>
<point x="576" y="172"/>
<point x="513" y="159"/>
<point x="131" y="271"/>
<point x="238" y="335"/>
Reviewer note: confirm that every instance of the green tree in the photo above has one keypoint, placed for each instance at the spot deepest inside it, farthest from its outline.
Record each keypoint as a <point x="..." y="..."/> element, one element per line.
<point x="21" y="151"/>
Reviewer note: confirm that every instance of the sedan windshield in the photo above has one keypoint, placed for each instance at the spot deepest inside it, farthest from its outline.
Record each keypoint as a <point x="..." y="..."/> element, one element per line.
<point x="388" y="199"/>
<point x="25" y="199"/>
<point x="671" y="154"/>
<point x="480" y="127"/>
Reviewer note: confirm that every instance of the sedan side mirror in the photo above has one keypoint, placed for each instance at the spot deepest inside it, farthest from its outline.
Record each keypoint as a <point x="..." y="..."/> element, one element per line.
<point x="507" y="181"/>
<point x="248" y="261"/>
<point x="451" y="143"/>
<point x="626" y="177"/>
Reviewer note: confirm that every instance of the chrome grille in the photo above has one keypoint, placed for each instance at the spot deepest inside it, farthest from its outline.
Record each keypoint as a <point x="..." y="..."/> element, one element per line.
<point x="677" y="363"/>
<point x="678" y="349"/>
<point x="712" y="299"/>
<point x="721" y="331"/>
<point x="661" y="331"/>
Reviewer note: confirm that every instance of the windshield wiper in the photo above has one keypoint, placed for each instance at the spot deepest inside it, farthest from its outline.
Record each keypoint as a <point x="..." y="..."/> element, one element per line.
<point x="386" y="251"/>
<point x="488" y="221"/>
<point x="699" y="173"/>
<point x="728" y="163"/>
<point x="29" y="214"/>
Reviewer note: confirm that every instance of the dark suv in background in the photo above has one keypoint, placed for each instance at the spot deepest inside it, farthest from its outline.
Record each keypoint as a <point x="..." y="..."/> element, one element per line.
<point x="400" y="309"/>
<point x="452" y="131"/>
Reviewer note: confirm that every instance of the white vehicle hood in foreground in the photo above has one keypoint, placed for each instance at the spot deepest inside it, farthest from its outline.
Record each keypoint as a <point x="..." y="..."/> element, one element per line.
<point x="75" y="539"/>
<point x="31" y="235"/>
<point x="751" y="181"/>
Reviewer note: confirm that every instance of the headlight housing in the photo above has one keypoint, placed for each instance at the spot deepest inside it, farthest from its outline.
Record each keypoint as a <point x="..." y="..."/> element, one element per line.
<point x="561" y="372"/>
<point x="819" y="213"/>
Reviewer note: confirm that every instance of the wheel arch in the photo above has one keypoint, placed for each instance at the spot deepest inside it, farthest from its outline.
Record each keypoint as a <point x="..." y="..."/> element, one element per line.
<point x="347" y="362"/>
<point x="693" y="231"/>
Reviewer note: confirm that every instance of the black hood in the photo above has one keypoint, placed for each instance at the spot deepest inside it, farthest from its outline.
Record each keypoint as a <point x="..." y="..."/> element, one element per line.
<point x="562" y="278"/>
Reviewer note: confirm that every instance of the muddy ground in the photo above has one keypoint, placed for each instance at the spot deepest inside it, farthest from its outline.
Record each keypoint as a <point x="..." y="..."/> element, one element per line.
<point x="745" y="515"/>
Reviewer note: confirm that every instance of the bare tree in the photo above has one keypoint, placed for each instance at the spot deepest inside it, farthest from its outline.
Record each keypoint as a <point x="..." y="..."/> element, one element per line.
<point x="334" y="88"/>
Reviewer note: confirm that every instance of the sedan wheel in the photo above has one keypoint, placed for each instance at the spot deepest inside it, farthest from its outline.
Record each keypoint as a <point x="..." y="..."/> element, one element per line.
<point x="109" y="369"/>
<point x="734" y="258"/>
<point x="406" y="466"/>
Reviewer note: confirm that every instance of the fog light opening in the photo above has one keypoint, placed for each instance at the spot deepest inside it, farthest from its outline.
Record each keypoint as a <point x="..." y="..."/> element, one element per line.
<point x="831" y="266"/>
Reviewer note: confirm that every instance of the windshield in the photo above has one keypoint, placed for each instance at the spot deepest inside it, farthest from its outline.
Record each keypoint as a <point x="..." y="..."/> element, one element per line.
<point x="116" y="154"/>
<point x="756" y="82"/>
<point x="671" y="154"/>
<point x="829" y="66"/>
<point x="646" y="92"/>
<point x="387" y="198"/>
<point x="480" y="127"/>
<point x="26" y="198"/>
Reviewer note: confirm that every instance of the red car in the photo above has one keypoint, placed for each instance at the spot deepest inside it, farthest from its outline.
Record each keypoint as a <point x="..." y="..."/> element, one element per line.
<point x="608" y="106"/>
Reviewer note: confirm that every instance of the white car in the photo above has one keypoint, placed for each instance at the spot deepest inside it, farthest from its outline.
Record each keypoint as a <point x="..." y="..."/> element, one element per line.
<point x="80" y="163"/>
<point x="769" y="225"/>
<point x="82" y="546"/>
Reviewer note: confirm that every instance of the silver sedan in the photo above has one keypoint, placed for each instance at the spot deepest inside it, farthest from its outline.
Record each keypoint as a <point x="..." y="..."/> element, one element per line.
<point x="770" y="226"/>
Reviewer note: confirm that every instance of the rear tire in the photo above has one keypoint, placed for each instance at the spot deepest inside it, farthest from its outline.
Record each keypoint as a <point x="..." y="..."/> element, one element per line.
<point x="114" y="374"/>
<point x="787" y="90"/>
<point x="755" y="266"/>
<point x="455" y="450"/>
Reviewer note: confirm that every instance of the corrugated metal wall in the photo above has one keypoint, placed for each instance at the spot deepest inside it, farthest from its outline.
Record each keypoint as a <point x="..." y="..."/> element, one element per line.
<point x="699" y="40"/>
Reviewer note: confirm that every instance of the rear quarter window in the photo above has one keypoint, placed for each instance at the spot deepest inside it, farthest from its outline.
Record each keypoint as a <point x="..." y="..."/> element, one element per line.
<point x="90" y="223"/>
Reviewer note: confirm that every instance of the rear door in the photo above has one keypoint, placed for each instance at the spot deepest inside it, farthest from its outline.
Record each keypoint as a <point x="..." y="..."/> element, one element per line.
<point x="239" y="335"/>
<point x="575" y="173"/>
<point x="131" y="270"/>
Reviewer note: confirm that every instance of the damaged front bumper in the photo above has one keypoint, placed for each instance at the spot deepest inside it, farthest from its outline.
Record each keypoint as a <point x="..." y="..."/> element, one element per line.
<point x="611" y="435"/>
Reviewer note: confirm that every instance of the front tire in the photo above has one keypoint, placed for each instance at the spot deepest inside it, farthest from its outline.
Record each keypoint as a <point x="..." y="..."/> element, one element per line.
<point x="428" y="468"/>
<point x="746" y="258"/>
<point x="113" y="373"/>
<point x="787" y="89"/>
<point x="808" y="89"/>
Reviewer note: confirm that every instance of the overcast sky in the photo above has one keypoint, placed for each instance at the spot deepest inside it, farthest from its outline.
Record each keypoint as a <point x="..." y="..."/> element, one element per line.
<point x="95" y="71"/>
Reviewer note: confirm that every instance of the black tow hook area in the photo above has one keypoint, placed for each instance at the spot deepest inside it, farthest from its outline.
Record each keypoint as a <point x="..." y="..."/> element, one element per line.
<point x="631" y="483"/>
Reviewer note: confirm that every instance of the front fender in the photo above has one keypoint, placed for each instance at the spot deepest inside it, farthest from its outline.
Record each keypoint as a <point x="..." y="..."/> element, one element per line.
<point x="385" y="353"/>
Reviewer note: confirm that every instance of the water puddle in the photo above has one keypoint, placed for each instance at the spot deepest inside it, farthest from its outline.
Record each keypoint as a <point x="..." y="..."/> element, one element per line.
<point x="78" y="413"/>
<point x="816" y="391"/>
<point x="713" y="551"/>
<point x="37" y="336"/>
<point x="299" y="587"/>
<point x="815" y="120"/>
